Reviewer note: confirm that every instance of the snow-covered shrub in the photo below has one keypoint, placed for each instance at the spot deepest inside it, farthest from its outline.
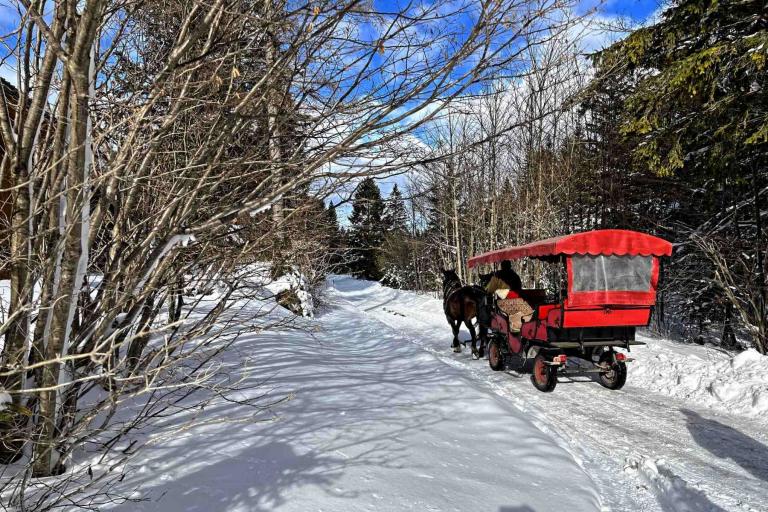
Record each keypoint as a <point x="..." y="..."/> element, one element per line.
<point x="292" y="291"/>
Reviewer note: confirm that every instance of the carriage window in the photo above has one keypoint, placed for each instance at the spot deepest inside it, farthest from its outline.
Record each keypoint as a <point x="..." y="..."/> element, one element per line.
<point x="611" y="273"/>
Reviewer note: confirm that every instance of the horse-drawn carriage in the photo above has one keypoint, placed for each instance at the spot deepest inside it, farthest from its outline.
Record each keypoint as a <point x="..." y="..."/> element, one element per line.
<point x="609" y="290"/>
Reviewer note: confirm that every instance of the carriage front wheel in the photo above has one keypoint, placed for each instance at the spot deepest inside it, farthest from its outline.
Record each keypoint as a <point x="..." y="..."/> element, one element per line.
<point x="495" y="357"/>
<point x="544" y="376"/>
<point x="616" y="376"/>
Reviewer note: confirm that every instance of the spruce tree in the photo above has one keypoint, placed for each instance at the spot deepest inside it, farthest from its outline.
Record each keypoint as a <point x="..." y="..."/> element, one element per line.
<point x="694" y="118"/>
<point x="333" y="235"/>
<point x="395" y="255"/>
<point x="366" y="230"/>
<point x="395" y="217"/>
<point x="700" y="98"/>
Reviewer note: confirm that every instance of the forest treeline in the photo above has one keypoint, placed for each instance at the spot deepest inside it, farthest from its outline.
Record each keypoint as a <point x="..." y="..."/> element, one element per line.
<point x="665" y="131"/>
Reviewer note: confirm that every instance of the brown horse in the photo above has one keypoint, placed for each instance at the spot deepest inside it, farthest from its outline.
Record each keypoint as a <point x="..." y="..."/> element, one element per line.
<point x="460" y="304"/>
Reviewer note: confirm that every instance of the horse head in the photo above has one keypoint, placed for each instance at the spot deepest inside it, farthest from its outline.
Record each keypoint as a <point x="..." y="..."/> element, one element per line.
<point x="485" y="279"/>
<point x="450" y="276"/>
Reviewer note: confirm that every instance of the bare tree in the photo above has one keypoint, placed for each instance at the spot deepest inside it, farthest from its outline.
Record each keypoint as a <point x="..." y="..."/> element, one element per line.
<point x="145" y="136"/>
<point x="503" y="162"/>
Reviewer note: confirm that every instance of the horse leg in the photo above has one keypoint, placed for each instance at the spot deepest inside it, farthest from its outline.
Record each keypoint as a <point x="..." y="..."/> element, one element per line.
<point x="468" y="323"/>
<point x="483" y="341"/>
<point x="455" y="326"/>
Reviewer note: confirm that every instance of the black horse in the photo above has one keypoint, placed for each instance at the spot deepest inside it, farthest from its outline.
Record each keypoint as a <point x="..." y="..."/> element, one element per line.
<point x="461" y="304"/>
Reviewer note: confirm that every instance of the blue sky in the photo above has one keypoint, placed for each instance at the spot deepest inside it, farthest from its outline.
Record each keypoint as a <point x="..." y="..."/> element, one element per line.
<point x="638" y="10"/>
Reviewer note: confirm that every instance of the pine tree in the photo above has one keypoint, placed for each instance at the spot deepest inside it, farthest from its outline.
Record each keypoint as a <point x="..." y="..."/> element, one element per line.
<point x="395" y="216"/>
<point x="366" y="230"/>
<point x="694" y="118"/>
<point x="332" y="220"/>
<point x="395" y="256"/>
<point x="707" y="59"/>
<point x="333" y="235"/>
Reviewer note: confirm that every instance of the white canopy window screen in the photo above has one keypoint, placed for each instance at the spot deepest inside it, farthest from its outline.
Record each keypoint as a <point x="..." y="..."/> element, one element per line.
<point x="611" y="273"/>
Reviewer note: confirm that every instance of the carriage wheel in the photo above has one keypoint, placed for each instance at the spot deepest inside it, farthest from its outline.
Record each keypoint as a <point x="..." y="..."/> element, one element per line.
<point x="616" y="377"/>
<point x="495" y="357"/>
<point x="544" y="376"/>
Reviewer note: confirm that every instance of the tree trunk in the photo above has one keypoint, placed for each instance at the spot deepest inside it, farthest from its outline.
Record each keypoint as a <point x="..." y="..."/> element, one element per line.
<point x="273" y="128"/>
<point x="762" y="289"/>
<point x="77" y="198"/>
<point x="17" y="335"/>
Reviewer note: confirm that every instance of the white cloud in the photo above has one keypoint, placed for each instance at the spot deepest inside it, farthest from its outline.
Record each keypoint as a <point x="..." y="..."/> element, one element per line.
<point x="9" y="73"/>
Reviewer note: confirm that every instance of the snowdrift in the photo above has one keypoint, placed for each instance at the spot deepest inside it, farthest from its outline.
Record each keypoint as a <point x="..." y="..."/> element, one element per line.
<point x="737" y="384"/>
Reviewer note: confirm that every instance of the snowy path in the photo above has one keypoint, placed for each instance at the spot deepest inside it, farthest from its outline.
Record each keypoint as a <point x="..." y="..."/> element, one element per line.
<point x="375" y="423"/>
<point x="383" y="416"/>
<point x="644" y="451"/>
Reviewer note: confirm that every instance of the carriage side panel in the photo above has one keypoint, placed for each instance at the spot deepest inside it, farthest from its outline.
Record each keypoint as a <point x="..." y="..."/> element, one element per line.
<point x="606" y="317"/>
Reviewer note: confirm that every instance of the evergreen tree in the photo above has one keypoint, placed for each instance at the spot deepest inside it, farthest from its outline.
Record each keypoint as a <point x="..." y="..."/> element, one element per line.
<point x="333" y="235"/>
<point x="395" y="256"/>
<point x="700" y="98"/>
<point x="395" y="216"/>
<point x="694" y="118"/>
<point x="366" y="230"/>
<point x="332" y="220"/>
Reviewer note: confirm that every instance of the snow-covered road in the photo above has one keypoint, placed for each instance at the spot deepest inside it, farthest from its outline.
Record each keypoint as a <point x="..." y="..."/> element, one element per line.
<point x="374" y="423"/>
<point x="644" y="451"/>
<point x="385" y="417"/>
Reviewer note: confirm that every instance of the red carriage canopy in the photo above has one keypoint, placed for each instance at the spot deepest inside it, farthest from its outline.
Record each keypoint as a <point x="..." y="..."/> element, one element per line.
<point x="606" y="242"/>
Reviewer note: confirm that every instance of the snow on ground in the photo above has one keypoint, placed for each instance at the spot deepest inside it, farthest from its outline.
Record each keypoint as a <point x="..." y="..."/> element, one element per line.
<point x="645" y="450"/>
<point x="705" y="375"/>
<point x="381" y="415"/>
<point x="374" y="423"/>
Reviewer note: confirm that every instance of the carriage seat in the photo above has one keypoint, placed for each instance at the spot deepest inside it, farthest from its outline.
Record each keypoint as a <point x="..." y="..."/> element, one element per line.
<point x="517" y="310"/>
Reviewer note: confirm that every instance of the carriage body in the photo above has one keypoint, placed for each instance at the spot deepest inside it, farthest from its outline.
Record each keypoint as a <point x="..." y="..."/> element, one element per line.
<point x="611" y="282"/>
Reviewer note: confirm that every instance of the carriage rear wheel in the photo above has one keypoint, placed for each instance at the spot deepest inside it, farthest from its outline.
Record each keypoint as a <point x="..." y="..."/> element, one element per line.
<point x="495" y="357"/>
<point x="544" y="376"/>
<point x="616" y="377"/>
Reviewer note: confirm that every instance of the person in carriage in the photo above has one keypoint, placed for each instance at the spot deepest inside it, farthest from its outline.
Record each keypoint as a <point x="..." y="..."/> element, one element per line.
<point x="606" y="290"/>
<point x="506" y="278"/>
<point x="507" y="286"/>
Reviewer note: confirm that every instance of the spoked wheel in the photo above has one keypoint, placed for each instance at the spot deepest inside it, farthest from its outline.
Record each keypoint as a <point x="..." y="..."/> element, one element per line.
<point x="616" y="377"/>
<point x="544" y="376"/>
<point x="495" y="357"/>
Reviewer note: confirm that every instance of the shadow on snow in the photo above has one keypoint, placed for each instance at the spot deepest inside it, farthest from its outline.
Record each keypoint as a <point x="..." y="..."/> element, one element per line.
<point x="728" y="443"/>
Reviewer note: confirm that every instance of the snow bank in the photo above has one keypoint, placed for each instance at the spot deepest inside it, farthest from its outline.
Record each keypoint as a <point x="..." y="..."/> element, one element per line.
<point x="735" y="384"/>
